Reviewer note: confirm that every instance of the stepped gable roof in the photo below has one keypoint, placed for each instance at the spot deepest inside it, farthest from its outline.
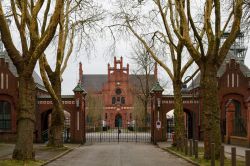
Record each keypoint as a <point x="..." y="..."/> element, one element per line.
<point x="95" y="82"/>
<point x="12" y="68"/>
<point x="244" y="69"/>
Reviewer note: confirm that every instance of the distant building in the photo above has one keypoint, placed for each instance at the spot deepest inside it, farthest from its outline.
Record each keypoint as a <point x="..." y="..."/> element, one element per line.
<point x="118" y="90"/>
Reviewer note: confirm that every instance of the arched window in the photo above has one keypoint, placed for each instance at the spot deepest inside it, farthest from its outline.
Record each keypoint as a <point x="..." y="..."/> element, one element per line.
<point x="5" y="115"/>
<point x="113" y="100"/>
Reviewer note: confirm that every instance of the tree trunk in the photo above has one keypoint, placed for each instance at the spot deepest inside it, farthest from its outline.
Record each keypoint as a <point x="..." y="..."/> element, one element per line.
<point x="178" y="116"/>
<point x="26" y="118"/>
<point x="57" y="118"/>
<point x="211" y="111"/>
<point x="145" y="112"/>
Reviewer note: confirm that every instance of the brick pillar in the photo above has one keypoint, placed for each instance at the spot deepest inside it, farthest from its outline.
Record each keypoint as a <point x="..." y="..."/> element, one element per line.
<point x="78" y="127"/>
<point x="229" y="121"/>
<point x="157" y="116"/>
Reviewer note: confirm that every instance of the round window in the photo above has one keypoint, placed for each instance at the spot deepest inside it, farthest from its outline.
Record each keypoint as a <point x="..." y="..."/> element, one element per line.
<point x="118" y="91"/>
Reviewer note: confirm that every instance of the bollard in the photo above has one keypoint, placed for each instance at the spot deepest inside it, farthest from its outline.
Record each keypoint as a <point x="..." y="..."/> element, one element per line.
<point x="247" y="156"/>
<point x="196" y="149"/>
<point x="191" y="147"/>
<point x="212" y="154"/>
<point x="233" y="156"/>
<point x="186" y="146"/>
<point x="177" y="145"/>
<point x="222" y="157"/>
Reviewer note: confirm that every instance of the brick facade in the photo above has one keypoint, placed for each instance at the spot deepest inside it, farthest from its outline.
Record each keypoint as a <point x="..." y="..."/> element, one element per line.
<point x="9" y="94"/>
<point x="117" y="90"/>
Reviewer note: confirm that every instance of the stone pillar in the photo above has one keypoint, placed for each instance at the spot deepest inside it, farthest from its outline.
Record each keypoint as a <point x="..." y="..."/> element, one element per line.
<point x="229" y="121"/>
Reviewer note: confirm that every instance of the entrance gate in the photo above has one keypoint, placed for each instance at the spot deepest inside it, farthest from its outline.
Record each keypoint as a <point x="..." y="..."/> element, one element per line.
<point x="134" y="131"/>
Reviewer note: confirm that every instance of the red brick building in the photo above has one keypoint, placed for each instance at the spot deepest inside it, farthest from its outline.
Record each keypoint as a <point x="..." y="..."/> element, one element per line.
<point x="73" y="106"/>
<point x="234" y="99"/>
<point x="117" y="90"/>
<point x="9" y="96"/>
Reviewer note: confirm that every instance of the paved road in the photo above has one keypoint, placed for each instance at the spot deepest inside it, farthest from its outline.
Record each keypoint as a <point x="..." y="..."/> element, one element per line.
<point x="123" y="154"/>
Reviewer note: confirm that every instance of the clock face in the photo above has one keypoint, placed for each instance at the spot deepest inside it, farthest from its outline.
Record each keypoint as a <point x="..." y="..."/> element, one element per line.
<point x="118" y="91"/>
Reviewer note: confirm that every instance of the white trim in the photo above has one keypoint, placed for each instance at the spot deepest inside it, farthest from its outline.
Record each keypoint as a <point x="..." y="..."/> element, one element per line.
<point x="2" y="81"/>
<point x="232" y="79"/>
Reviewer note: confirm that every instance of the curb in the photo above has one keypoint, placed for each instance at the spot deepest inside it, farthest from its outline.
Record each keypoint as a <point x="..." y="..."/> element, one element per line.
<point x="178" y="155"/>
<point x="59" y="156"/>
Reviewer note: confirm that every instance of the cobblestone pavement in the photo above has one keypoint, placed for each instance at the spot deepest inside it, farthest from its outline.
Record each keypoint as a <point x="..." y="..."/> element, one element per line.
<point x="123" y="154"/>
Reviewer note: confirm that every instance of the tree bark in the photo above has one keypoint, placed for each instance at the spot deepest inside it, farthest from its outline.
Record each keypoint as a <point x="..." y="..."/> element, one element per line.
<point x="211" y="111"/>
<point x="57" y="117"/>
<point x="26" y="118"/>
<point x="178" y="115"/>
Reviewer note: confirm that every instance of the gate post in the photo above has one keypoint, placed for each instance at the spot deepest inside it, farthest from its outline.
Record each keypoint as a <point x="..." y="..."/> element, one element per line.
<point x="79" y="135"/>
<point x="158" y="121"/>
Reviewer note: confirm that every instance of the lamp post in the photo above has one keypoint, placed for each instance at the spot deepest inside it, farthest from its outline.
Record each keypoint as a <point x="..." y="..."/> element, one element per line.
<point x="193" y="113"/>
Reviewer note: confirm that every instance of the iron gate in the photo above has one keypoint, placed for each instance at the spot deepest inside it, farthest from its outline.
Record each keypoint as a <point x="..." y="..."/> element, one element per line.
<point x="128" y="132"/>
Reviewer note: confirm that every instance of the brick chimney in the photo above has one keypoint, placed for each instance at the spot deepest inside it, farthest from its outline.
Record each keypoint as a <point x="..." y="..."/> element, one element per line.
<point x="80" y="74"/>
<point x="156" y="71"/>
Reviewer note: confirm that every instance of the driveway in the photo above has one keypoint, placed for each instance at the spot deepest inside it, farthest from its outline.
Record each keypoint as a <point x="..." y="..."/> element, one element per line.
<point x="123" y="154"/>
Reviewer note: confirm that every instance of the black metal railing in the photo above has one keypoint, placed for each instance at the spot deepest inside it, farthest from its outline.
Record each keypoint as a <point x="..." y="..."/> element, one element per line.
<point x="239" y="127"/>
<point x="96" y="132"/>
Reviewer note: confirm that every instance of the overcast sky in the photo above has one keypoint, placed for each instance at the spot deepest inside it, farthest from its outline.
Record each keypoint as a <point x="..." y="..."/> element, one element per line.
<point x="97" y="62"/>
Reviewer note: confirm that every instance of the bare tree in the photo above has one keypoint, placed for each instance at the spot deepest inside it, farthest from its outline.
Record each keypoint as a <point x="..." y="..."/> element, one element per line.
<point x="144" y="78"/>
<point x="153" y="31"/>
<point x="95" y="109"/>
<point x="77" y="18"/>
<point x="33" y="43"/>
<point x="246" y="15"/>
<point x="202" y="37"/>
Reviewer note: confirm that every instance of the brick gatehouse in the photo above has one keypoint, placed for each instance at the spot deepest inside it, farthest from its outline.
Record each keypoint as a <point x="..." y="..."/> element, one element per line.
<point x="73" y="107"/>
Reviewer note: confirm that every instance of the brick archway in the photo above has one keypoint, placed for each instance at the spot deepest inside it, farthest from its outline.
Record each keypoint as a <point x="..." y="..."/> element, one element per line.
<point x="191" y="105"/>
<point x="74" y="105"/>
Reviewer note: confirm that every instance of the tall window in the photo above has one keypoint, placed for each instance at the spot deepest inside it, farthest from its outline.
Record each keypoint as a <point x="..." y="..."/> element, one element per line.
<point x="113" y="100"/>
<point x="5" y="115"/>
<point x="123" y="100"/>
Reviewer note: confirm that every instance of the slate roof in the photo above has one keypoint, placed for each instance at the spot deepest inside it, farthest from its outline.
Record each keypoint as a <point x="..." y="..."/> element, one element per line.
<point x="244" y="69"/>
<point x="95" y="82"/>
<point x="12" y="68"/>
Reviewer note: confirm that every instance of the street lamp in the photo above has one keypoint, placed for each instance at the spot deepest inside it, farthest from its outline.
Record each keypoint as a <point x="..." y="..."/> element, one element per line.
<point x="193" y="113"/>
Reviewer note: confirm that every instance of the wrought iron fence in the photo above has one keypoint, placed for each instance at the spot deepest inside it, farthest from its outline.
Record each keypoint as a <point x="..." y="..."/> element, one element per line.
<point x="97" y="132"/>
<point x="240" y="127"/>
